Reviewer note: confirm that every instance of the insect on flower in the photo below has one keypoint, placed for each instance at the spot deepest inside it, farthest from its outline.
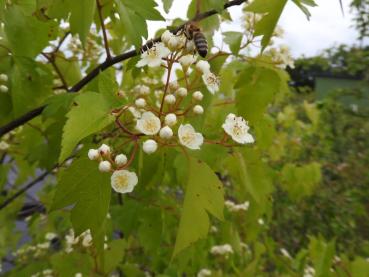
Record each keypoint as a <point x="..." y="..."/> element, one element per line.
<point x="192" y="32"/>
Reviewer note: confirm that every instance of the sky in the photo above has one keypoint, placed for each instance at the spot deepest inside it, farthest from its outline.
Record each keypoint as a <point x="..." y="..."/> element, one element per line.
<point x="327" y="26"/>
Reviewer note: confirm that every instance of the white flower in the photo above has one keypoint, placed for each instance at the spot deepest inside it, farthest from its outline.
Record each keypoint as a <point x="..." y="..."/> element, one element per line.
<point x="104" y="166"/>
<point x="170" y="119"/>
<point x="3" y="145"/>
<point x="198" y="109"/>
<point x="181" y="92"/>
<point x="197" y="95"/>
<point x="136" y="113"/>
<point x="233" y="207"/>
<point x="141" y="90"/>
<point x="4" y="88"/>
<point x="104" y="150"/>
<point x="187" y="60"/>
<point x="166" y="36"/>
<point x="50" y="236"/>
<point x="153" y="56"/>
<point x="93" y="154"/>
<point x="149" y="146"/>
<point x="189" y="137"/>
<point x="120" y="159"/>
<point x="123" y="181"/>
<point x="222" y="250"/>
<point x="238" y="129"/>
<point x="3" y="77"/>
<point x="203" y="67"/>
<point x="261" y="221"/>
<point x="204" y="272"/>
<point x="166" y="132"/>
<point x="140" y="102"/>
<point x="78" y="274"/>
<point x="148" y="124"/>
<point x="170" y="99"/>
<point x="86" y="238"/>
<point x="211" y="81"/>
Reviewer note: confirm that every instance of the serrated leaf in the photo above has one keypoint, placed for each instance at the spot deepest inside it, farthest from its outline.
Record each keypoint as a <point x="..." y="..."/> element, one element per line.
<point x="69" y="68"/>
<point x="233" y="39"/>
<point x="58" y="105"/>
<point x="91" y="114"/>
<point x="204" y="194"/>
<point x="108" y="85"/>
<point x="145" y="8"/>
<point x="257" y="87"/>
<point x="83" y="185"/>
<point x="82" y="14"/>
<point x="27" y="36"/>
<point x="272" y="10"/>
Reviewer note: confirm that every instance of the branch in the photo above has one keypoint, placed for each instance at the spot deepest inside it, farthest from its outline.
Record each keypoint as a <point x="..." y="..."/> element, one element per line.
<point x="36" y="112"/>
<point x="51" y="60"/>
<point x="106" y="44"/>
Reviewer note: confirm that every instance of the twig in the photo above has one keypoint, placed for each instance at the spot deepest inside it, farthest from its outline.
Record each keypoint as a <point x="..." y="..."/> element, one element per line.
<point x="51" y="60"/>
<point x="37" y="111"/>
<point x="106" y="43"/>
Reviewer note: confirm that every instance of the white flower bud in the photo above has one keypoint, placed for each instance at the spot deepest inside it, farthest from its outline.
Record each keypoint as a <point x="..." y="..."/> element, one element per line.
<point x="166" y="132"/>
<point x="93" y="154"/>
<point x="203" y="66"/>
<point x="3" y="77"/>
<point x="104" y="166"/>
<point x="144" y="90"/>
<point x="173" y="43"/>
<point x="4" y="88"/>
<point x="181" y="92"/>
<point x="170" y="119"/>
<point x="149" y="146"/>
<point x="166" y="36"/>
<point x="158" y="93"/>
<point x="187" y="60"/>
<point x="120" y="159"/>
<point x="170" y="99"/>
<point x="140" y="102"/>
<point x="197" y="95"/>
<point x="173" y="85"/>
<point x="104" y="150"/>
<point x="198" y="109"/>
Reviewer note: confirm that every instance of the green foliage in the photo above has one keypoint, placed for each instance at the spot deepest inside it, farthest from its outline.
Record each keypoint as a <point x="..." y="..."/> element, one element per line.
<point x="87" y="117"/>
<point x="204" y="194"/>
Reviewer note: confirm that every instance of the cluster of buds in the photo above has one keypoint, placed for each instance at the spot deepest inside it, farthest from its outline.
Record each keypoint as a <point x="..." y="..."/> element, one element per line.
<point x="84" y="240"/>
<point x="122" y="181"/>
<point x="3" y="80"/>
<point x="222" y="250"/>
<point x="233" y="207"/>
<point x="281" y="56"/>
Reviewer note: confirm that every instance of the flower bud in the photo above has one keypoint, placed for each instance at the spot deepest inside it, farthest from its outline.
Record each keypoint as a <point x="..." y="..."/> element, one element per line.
<point x="104" y="150"/>
<point x="203" y="66"/>
<point x="4" y="88"/>
<point x="120" y="159"/>
<point x="170" y="119"/>
<point x="104" y="166"/>
<point x="173" y="43"/>
<point x="198" y="109"/>
<point x="93" y="154"/>
<point x="170" y="99"/>
<point x="3" y="77"/>
<point x="173" y="86"/>
<point x="140" y="102"/>
<point x="197" y="95"/>
<point x="187" y="60"/>
<point x="181" y="92"/>
<point x="149" y="146"/>
<point x="158" y="93"/>
<point x="166" y="36"/>
<point x="166" y="132"/>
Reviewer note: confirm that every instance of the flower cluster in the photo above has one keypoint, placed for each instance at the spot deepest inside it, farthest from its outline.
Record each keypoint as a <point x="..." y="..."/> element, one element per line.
<point x="222" y="250"/>
<point x="3" y="80"/>
<point x="281" y="56"/>
<point x="204" y="272"/>
<point x="34" y="251"/>
<point x="45" y="273"/>
<point x="233" y="207"/>
<point x="122" y="181"/>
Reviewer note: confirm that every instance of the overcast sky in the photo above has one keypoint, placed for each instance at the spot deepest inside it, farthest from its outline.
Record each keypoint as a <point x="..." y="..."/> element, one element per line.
<point x="327" y="25"/>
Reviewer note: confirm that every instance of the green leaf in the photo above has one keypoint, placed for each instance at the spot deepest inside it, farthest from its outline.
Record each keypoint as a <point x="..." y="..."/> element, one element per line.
<point x="134" y="24"/>
<point x="27" y="36"/>
<point x="302" y="5"/>
<point x="204" y="193"/>
<point x="89" y="189"/>
<point x="68" y="264"/>
<point x="233" y="39"/>
<point x="69" y="68"/>
<point x="272" y="10"/>
<point x="167" y="5"/>
<point x="31" y="84"/>
<point x="91" y="114"/>
<point x="321" y="254"/>
<point x="114" y="255"/>
<point x="257" y="87"/>
<point x="82" y="14"/>
<point x="108" y="85"/>
<point x="145" y="8"/>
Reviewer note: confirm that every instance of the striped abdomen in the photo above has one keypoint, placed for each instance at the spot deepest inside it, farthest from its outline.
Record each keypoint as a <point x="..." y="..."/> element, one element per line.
<point x="200" y="43"/>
